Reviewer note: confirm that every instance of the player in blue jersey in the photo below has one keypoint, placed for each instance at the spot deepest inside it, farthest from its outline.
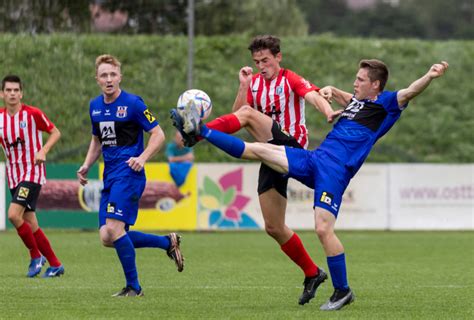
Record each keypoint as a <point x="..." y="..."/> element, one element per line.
<point x="118" y="121"/>
<point x="369" y="113"/>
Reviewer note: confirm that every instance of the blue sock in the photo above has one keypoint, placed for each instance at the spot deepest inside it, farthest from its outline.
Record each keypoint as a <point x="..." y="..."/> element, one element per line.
<point x="146" y="240"/>
<point x="337" y="268"/>
<point x="126" y="254"/>
<point x="227" y="143"/>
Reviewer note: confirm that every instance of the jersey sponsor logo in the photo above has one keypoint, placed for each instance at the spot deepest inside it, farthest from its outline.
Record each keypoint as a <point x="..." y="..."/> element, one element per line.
<point x="96" y="112"/>
<point x="352" y="109"/>
<point x="111" y="207"/>
<point x="107" y="133"/>
<point x="107" y="112"/>
<point x="23" y="192"/>
<point x="326" y="198"/>
<point x="22" y="124"/>
<point x="149" y="116"/>
<point x="121" y="112"/>
<point x="15" y="143"/>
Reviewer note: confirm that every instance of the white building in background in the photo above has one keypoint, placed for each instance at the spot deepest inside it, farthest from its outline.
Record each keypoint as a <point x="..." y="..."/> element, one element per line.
<point x="363" y="4"/>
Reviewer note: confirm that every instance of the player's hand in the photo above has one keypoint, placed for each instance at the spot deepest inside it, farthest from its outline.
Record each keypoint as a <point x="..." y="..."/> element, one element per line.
<point x="82" y="174"/>
<point x="136" y="164"/>
<point x="40" y="157"/>
<point x="245" y="74"/>
<point x="333" y="116"/>
<point x="438" y="69"/>
<point x="326" y="93"/>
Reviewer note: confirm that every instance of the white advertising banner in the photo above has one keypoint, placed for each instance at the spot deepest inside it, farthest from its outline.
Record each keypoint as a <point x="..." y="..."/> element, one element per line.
<point x="431" y="196"/>
<point x="2" y="197"/>
<point x="379" y="197"/>
<point x="365" y="201"/>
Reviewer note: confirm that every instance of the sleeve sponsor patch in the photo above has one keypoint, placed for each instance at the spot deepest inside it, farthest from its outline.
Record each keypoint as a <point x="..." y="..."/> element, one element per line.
<point x="149" y="116"/>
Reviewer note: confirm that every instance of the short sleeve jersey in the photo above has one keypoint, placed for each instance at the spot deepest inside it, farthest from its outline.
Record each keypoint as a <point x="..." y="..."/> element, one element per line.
<point x="21" y="138"/>
<point x="283" y="100"/>
<point x="119" y="126"/>
<point x="360" y="125"/>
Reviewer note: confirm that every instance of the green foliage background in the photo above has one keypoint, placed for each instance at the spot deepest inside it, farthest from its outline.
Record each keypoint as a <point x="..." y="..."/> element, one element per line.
<point x="58" y="74"/>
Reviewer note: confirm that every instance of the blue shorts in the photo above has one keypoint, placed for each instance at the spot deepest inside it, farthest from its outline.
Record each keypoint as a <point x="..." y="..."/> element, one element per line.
<point x="321" y="172"/>
<point x="119" y="199"/>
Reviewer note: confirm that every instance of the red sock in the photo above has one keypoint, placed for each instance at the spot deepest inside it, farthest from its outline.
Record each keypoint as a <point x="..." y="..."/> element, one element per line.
<point x="25" y="233"/>
<point x="228" y="124"/>
<point x="45" y="248"/>
<point x="295" y="250"/>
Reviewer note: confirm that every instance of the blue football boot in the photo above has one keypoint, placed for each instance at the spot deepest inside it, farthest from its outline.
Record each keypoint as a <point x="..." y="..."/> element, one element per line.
<point x="52" y="272"/>
<point x="35" y="266"/>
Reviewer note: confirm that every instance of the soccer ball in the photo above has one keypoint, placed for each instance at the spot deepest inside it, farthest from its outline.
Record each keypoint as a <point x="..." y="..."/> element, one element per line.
<point x="201" y="100"/>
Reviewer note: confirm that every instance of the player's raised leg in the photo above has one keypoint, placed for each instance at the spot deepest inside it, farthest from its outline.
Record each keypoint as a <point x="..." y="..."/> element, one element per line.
<point x="170" y="243"/>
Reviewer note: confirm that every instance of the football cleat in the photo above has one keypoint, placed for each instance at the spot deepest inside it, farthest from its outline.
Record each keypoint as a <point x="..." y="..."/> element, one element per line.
<point x="174" y="252"/>
<point x="192" y="118"/>
<point x="310" y="286"/>
<point x="35" y="266"/>
<point x="339" y="299"/>
<point x="178" y="122"/>
<point x="129" y="292"/>
<point x="52" y="272"/>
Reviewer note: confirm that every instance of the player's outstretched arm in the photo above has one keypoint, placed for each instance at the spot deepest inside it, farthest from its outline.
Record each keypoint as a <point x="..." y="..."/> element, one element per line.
<point x="92" y="155"/>
<point x="322" y="105"/>
<point x="418" y="86"/>
<point x="342" y="97"/>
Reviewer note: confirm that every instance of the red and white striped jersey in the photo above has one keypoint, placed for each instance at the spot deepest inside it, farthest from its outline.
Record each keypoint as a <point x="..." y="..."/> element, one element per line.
<point x="283" y="100"/>
<point x="21" y="138"/>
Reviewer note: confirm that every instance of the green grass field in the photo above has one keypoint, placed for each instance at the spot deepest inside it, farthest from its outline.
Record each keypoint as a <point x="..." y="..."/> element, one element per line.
<point x="244" y="275"/>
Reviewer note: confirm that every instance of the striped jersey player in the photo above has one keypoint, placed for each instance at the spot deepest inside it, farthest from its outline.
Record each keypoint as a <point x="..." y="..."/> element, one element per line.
<point x="21" y="128"/>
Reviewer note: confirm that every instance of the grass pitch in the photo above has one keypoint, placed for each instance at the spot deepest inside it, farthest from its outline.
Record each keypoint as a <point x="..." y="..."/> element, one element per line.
<point x="244" y="275"/>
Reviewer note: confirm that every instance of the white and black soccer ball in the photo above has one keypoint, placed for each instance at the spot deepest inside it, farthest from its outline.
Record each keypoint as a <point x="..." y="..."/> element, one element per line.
<point x="201" y="100"/>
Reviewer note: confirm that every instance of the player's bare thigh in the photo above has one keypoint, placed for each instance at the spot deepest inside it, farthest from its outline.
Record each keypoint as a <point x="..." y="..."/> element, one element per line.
<point x="272" y="155"/>
<point x="257" y="124"/>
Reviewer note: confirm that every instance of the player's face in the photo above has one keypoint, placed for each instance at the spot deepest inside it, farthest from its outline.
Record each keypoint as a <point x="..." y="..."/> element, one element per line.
<point x="12" y="93"/>
<point x="267" y="64"/>
<point x="363" y="87"/>
<point x="108" y="78"/>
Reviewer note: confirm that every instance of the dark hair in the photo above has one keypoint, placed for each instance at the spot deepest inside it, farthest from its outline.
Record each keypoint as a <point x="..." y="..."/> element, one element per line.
<point x="269" y="42"/>
<point x="377" y="70"/>
<point x="11" y="78"/>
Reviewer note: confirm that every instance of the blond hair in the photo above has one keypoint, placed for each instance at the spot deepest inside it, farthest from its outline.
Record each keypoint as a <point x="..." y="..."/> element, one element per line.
<point x="106" y="58"/>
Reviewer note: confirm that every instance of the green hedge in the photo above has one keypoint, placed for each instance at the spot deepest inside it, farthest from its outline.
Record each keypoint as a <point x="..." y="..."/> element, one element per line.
<point x="58" y="75"/>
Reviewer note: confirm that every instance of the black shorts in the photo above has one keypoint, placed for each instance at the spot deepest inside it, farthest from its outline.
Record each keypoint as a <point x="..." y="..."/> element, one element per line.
<point x="26" y="194"/>
<point x="269" y="178"/>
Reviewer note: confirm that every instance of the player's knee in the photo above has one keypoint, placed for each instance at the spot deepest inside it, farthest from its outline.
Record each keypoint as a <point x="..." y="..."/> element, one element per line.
<point x="244" y="114"/>
<point x="323" y="230"/>
<point x="107" y="236"/>
<point x="273" y="231"/>
<point x="14" y="218"/>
